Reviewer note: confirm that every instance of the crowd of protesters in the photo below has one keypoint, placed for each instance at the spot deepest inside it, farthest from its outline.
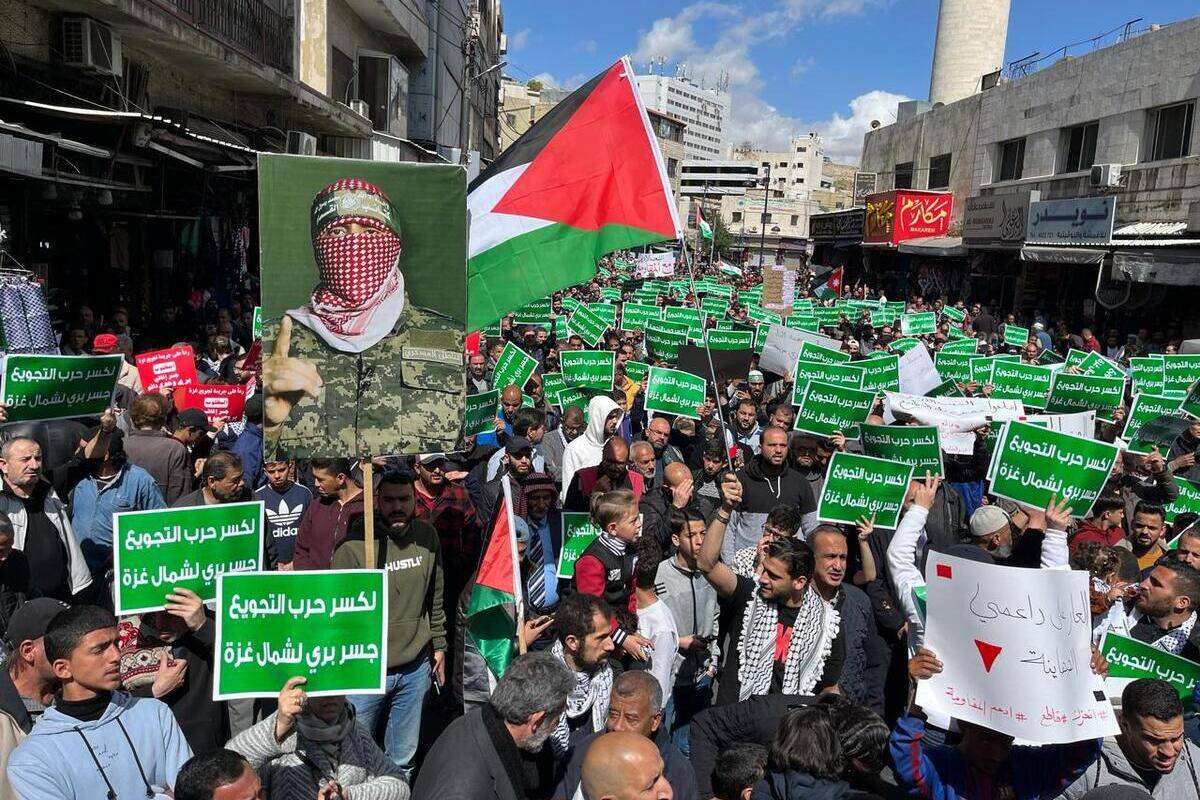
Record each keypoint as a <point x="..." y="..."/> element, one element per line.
<point x="716" y="640"/>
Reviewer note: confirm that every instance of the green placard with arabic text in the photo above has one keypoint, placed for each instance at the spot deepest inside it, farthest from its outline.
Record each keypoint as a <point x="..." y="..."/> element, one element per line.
<point x="479" y="414"/>
<point x="578" y="531"/>
<point x="513" y="368"/>
<point x="58" y="387"/>
<point x="858" y="486"/>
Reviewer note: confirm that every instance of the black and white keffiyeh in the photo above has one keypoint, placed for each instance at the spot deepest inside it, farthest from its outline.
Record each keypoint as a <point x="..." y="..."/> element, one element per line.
<point x="589" y="692"/>
<point x="1173" y="641"/>
<point x="812" y="640"/>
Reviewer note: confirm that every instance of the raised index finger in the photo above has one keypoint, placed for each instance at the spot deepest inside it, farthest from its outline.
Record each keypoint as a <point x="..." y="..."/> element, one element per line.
<point x="292" y="683"/>
<point x="283" y="342"/>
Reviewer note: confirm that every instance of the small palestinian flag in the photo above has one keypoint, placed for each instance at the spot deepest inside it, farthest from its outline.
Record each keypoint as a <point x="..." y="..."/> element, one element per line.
<point x="705" y="228"/>
<point x="491" y="619"/>
<point x="728" y="269"/>
<point x="830" y="287"/>
<point x="585" y="180"/>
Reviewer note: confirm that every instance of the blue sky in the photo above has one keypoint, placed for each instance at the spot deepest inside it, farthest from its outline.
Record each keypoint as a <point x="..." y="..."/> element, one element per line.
<point x="794" y="65"/>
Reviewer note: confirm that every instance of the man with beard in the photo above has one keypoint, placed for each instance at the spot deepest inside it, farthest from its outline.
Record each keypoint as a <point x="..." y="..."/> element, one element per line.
<point x="1164" y="613"/>
<point x="604" y="418"/>
<point x="504" y="738"/>
<point x="745" y="427"/>
<point x="658" y="434"/>
<point x="537" y="503"/>
<point x="555" y="442"/>
<point x="706" y="480"/>
<point x="517" y="464"/>
<point x="221" y="481"/>
<point x="802" y="452"/>
<point x="766" y="482"/>
<point x="510" y="403"/>
<point x="784" y="638"/>
<point x="641" y="459"/>
<point x="584" y="642"/>
<point x="527" y="423"/>
<point x="611" y="473"/>
<point x="477" y="375"/>
<point x="1146" y="532"/>
<point x="416" y="642"/>
<point x="360" y="368"/>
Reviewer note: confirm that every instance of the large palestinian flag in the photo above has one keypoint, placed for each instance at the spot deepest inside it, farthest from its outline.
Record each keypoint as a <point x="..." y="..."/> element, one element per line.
<point x="585" y="180"/>
<point x="492" y="609"/>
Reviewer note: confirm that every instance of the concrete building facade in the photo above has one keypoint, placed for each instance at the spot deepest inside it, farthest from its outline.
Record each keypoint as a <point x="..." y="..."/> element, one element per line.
<point x="704" y="110"/>
<point x="795" y="172"/>
<point x="969" y="44"/>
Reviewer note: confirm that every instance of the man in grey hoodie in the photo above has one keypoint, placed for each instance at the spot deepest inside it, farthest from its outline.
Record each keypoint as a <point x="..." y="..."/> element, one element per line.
<point x="1151" y="751"/>
<point x="96" y="741"/>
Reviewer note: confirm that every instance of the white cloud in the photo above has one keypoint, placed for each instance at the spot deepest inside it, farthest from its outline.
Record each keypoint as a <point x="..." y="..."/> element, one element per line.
<point x="802" y="65"/>
<point x="730" y="55"/>
<point x="587" y="46"/>
<point x="518" y="39"/>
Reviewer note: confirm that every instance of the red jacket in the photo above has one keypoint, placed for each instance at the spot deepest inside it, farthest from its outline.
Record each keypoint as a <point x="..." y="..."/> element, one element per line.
<point x="322" y="527"/>
<point x="1087" y="532"/>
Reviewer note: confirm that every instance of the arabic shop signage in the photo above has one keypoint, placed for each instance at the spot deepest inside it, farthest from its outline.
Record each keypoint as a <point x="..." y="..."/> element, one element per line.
<point x="1078" y="219"/>
<point x="997" y="219"/>
<point x="838" y="225"/>
<point x="903" y="214"/>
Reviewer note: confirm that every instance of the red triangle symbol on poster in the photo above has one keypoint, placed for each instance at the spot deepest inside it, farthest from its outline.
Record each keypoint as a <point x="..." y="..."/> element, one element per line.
<point x="988" y="652"/>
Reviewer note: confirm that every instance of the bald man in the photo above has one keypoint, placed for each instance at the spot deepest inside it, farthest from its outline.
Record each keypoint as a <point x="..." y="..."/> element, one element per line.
<point x="658" y="434"/>
<point x="510" y="402"/>
<point x="624" y="766"/>
<point x="657" y="504"/>
<point x="612" y="472"/>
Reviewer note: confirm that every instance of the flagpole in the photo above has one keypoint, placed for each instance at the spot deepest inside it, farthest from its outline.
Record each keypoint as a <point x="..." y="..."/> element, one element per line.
<point x="712" y="371"/>
<point x="518" y="585"/>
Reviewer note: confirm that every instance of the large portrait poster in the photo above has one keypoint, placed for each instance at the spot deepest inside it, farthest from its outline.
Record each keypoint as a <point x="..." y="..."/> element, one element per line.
<point x="364" y="302"/>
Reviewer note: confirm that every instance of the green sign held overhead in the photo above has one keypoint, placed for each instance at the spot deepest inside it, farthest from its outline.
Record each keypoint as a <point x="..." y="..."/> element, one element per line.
<point x="663" y="343"/>
<point x="257" y="323"/>
<point x="1029" y="383"/>
<point x="918" y="324"/>
<point x="954" y="366"/>
<point x="915" y="445"/>
<point x="673" y="391"/>
<point x="329" y="627"/>
<point x="843" y="375"/>
<point x="826" y="409"/>
<point x="881" y="372"/>
<point x="157" y="551"/>
<point x="823" y="355"/>
<point x="587" y="325"/>
<point x="588" y="369"/>
<point x="1033" y="464"/>
<point x="578" y="532"/>
<point x="954" y="314"/>
<point x="858" y="486"/>
<point x="729" y="340"/>
<point x="1015" y="335"/>
<point x="1191" y="402"/>
<point x="536" y="313"/>
<point x="634" y="316"/>
<point x="58" y="387"/>
<point x="605" y="311"/>
<point x="1187" y="502"/>
<point x="963" y="346"/>
<point x="1146" y="376"/>
<point x="479" y="413"/>
<point x="636" y="370"/>
<point x="513" y="368"/>
<point x="1069" y="393"/>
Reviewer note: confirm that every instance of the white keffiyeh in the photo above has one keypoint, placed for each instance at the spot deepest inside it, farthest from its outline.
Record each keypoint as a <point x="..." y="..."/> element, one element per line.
<point x="812" y="640"/>
<point x="589" y="692"/>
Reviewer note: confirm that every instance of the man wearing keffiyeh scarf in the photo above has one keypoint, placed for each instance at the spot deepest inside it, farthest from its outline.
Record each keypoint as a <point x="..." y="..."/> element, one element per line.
<point x="360" y="369"/>
<point x="584" y="643"/>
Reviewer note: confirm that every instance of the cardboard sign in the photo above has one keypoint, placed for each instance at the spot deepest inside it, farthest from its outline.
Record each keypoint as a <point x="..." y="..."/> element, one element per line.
<point x="1015" y="645"/>
<point x="858" y="486"/>
<point x="58" y="387"/>
<point x="588" y="369"/>
<point x="166" y="369"/>
<point x="917" y="372"/>
<point x="1032" y="464"/>
<point x="218" y="401"/>
<point x="781" y="347"/>
<point x="329" y="627"/>
<point x="578" y="532"/>
<point x="156" y="551"/>
<point x="513" y="368"/>
<point x="673" y="391"/>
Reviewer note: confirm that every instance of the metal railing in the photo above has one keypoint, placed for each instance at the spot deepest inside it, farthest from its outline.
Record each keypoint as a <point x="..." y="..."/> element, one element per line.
<point x="1036" y="61"/>
<point x="252" y="26"/>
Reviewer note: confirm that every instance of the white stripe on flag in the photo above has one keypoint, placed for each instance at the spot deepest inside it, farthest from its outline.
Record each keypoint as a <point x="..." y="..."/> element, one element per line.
<point x="488" y="229"/>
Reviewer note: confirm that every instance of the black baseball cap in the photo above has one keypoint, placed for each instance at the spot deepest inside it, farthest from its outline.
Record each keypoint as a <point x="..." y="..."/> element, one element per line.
<point x="31" y="620"/>
<point x="194" y="418"/>
<point x="516" y="444"/>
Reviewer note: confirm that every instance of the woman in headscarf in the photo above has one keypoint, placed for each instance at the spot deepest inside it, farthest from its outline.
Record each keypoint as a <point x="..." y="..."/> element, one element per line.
<point x="311" y="747"/>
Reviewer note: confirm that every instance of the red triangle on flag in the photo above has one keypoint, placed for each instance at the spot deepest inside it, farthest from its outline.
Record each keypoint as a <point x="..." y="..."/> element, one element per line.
<point x="600" y="168"/>
<point x="988" y="652"/>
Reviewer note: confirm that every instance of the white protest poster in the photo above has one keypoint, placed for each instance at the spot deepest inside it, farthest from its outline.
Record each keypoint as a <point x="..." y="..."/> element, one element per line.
<point x="1016" y="646"/>
<point x="917" y="372"/>
<point x="782" y="346"/>
<point x="956" y="417"/>
<point x="1081" y="424"/>
<point x="655" y="265"/>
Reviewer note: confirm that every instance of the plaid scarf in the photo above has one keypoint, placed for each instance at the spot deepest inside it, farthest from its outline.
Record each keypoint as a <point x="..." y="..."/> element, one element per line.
<point x="1173" y="641"/>
<point x="812" y="640"/>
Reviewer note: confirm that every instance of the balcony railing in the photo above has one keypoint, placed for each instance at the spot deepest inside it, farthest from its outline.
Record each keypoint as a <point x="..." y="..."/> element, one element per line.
<point x="251" y="26"/>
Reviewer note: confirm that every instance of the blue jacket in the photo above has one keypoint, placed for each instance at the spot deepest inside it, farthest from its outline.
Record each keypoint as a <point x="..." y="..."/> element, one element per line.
<point x="92" y="510"/>
<point x="248" y="446"/>
<point x="59" y="758"/>
<point x="942" y="773"/>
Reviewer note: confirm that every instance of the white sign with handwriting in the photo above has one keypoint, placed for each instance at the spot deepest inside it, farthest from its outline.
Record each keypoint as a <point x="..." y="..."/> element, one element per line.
<point x="1016" y="646"/>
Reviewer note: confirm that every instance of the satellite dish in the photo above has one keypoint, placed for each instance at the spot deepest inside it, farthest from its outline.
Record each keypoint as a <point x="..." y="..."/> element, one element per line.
<point x="874" y="124"/>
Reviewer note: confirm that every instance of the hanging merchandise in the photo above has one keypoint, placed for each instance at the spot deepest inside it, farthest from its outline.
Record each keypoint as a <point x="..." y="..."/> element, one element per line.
<point x="25" y="318"/>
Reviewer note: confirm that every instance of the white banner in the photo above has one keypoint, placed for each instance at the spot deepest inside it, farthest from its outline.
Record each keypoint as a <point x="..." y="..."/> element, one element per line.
<point x="782" y="346"/>
<point x="956" y="417"/>
<point x="1081" y="424"/>
<point x="1016" y="660"/>
<point x="917" y="373"/>
<point x="655" y="265"/>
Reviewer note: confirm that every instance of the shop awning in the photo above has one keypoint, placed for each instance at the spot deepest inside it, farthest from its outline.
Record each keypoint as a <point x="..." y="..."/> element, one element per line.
<point x="948" y="246"/>
<point x="1062" y="255"/>
<point x="1167" y="266"/>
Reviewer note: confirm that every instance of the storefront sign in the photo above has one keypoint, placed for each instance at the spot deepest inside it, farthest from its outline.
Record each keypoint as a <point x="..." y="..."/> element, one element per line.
<point x="896" y="216"/>
<point x="1086" y="220"/>
<point x="838" y="225"/>
<point x="997" y="219"/>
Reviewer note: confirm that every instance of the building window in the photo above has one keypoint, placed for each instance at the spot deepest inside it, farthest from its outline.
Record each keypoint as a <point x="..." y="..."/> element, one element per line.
<point x="736" y="217"/>
<point x="1079" y="147"/>
<point x="904" y="175"/>
<point x="766" y="219"/>
<point x="511" y="118"/>
<point x="939" y="172"/>
<point x="776" y="193"/>
<point x="672" y="167"/>
<point x="801" y="149"/>
<point x="1169" y="131"/>
<point x="1012" y="159"/>
<point x="781" y="164"/>
<point x="795" y="220"/>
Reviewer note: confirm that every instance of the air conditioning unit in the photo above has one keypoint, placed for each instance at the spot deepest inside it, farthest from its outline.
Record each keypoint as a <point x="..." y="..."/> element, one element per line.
<point x="1106" y="175"/>
<point x="301" y="143"/>
<point x="91" y="45"/>
<point x="361" y="108"/>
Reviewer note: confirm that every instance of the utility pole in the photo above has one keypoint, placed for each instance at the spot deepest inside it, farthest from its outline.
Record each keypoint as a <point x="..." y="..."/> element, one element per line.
<point x="470" y="40"/>
<point x="762" y="236"/>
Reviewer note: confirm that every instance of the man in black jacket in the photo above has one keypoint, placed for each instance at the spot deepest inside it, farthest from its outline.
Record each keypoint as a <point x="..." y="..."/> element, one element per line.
<point x="767" y="481"/>
<point x="28" y="683"/>
<point x="504" y="739"/>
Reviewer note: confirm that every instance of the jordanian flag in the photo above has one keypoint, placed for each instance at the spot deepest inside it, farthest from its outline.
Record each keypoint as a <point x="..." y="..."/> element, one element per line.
<point x="492" y="610"/>
<point x="585" y="180"/>
<point x="728" y="269"/>
<point x="830" y="286"/>
<point x="705" y="228"/>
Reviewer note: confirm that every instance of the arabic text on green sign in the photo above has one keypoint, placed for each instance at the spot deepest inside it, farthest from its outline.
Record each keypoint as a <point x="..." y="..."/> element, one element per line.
<point x="36" y="387"/>
<point x="858" y="486"/>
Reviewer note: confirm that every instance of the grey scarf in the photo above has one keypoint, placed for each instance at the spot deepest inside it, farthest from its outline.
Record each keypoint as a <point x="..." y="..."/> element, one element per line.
<point x="327" y="736"/>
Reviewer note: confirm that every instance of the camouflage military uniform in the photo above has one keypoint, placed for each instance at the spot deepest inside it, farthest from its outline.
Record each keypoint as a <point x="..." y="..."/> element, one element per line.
<point x="405" y="394"/>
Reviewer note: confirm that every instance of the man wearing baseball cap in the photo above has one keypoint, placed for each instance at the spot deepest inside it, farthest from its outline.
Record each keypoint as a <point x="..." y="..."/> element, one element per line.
<point x="360" y="369"/>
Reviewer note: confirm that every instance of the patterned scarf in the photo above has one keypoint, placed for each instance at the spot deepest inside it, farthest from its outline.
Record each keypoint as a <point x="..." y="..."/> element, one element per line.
<point x="812" y="640"/>
<point x="1173" y="641"/>
<point x="590" y="691"/>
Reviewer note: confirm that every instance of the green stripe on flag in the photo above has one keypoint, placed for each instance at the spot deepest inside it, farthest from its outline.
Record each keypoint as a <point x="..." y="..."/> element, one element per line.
<point x="491" y="624"/>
